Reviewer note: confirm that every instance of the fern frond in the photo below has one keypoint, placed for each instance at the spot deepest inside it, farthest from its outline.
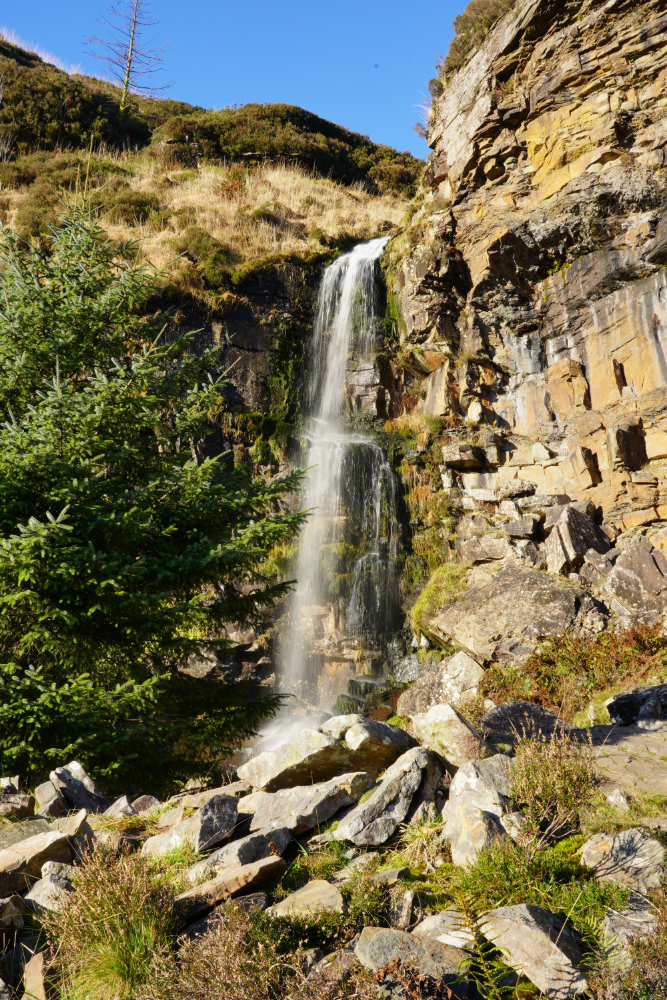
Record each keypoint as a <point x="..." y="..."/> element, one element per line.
<point x="487" y="964"/>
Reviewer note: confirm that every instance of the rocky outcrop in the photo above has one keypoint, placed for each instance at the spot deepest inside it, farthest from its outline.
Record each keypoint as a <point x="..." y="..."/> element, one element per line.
<point x="530" y="285"/>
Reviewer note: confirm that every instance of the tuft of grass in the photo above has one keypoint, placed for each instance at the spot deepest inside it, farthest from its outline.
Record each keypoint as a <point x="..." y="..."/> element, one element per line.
<point x="601" y="817"/>
<point x="112" y="928"/>
<point x="568" y="673"/>
<point x="444" y="587"/>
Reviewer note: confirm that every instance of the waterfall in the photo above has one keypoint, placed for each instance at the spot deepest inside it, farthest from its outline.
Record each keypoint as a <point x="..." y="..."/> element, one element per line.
<point x="346" y="598"/>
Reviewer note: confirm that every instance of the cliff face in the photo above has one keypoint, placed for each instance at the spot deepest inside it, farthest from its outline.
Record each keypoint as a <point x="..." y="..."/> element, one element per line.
<point x="531" y="281"/>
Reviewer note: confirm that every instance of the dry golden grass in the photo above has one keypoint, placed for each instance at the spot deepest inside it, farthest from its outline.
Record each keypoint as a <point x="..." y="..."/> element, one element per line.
<point x="301" y="211"/>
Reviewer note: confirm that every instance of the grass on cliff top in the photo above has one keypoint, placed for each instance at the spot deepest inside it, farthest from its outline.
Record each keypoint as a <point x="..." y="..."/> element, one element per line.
<point x="574" y="676"/>
<point x="212" y="225"/>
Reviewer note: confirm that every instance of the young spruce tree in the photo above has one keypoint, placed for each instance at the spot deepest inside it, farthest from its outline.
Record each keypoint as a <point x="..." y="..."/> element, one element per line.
<point x="123" y="549"/>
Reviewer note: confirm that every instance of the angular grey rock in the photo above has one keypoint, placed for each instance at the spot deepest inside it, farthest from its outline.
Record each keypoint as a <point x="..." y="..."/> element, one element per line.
<point x="78" y="788"/>
<point x="209" y="825"/>
<point x="401" y="910"/>
<point x="468" y="829"/>
<point x="644" y="705"/>
<point x="121" y="807"/>
<point x="50" y="801"/>
<point x="515" y="488"/>
<point x="10" y="786"/>
<point x="374" y="821"/>
<point x="314" y="897"/>
<point x="311" y="756"/>
<point x="378" y="743"/>
<point x="195" y="800"/>
<point x="72" y="826"/>
<point x="504" y="620"/>
<point x="240" y="852"/>
<point x="306" y="806"/>
<point x="378" y="946"/>
<point x="447" y="927"/>
<point x="636" y="920"/>
<point x="355" y="866"/>
<point x="47" y="894"/>
<point x="21" y="864"/>
<point x="455" y="678"/>
<point x="540" y="946"/>
<point x="13" y="833"/>
<point x="523" y="528"/>
<point x="12" y="911"/>
<point x="487" y="783"/>
<point x="391" y="876"/>
<point x="59" y="869"/>
<point x="505" y="722"/>
<point x="144" y="803"/>
<point x="626" y="858"/>
<point x="16" y="806"/>
<point x="571" y="537"/>
<point x="427" y="801"/>
<point x="637" y="585"/>
<point x="481" y="550"/>
<point x="618" y="800"/>
<point x="447" y="733"/>
<point x="339" y="725"/>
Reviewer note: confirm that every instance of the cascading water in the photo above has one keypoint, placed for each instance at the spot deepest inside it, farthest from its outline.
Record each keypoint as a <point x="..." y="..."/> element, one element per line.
<point x="347" y="595"/>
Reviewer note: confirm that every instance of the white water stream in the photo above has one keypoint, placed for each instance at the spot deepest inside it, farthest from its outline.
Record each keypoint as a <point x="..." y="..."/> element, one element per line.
<point x="350" y="486"/>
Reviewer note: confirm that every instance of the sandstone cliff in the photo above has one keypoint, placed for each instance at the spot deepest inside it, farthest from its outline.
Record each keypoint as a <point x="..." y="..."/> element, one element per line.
<point x="530" y="282"/>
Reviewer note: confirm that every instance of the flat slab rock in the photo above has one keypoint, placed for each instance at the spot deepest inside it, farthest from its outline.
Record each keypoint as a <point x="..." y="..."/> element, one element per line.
<point x="504" y="621"/>
<point x="626" y="858"/>
<point x="378" y="946"/>
<point x="21" y="864"/>
<point x="540" y="946"/>
<point x="314" y="756"/>
<point x="631" y="757"/>
<point x="314" y="897"/>
<point x="307" y="806"/>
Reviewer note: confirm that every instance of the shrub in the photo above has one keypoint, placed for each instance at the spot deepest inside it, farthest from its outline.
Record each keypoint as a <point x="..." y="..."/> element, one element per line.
<point x="117" y="923"/>
<point x="567" y="672"/>
<point x="210" y="256"/>
<point x="552" y="780"/>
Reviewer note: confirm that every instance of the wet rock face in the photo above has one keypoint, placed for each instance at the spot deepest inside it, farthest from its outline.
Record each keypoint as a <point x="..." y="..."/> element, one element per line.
<point x="533" y="277"/>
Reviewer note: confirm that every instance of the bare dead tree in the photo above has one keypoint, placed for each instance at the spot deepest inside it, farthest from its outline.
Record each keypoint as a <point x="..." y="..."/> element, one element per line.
<point x="132" y="59"/>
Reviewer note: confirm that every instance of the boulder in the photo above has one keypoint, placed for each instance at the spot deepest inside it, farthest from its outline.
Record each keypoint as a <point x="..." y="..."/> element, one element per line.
<point x="16" y="806"/>
<point x="598" y="566"/>
<point x="240" y="852"/>
<point x="209" y="825"/>
<point x="21" y="864"/>
<point x="377" y="947"/>
<point x="447" y="733"/>
<point x="57" y="868"/>
<point x="637" y="585"/>
<point x="47" y="893"/>
<point x="314" y="897"/>
<point x="339" y="725"/>
<point x="627" y="858"/>
<point x="78" y="788"/>
<point x="10" y="786"/>
<point x="634" y="921"/>
<point x="504" y="723"/>
<point x="12" y="911"/>
<point x="540" y="946"/>
<point x="121" y="807"/>
<point x="374" y="821"/>
<point x="310" y="757"/>
<point x="481" y="550"/>
<point x="468" y="829"/>
<point x="485" y="782"/>
<point x="571" y="537"/>
<point x="522" y="528"/>
<point x="646" y="706"/>
<point x="446" y="927"/>
<point x="13" y="833"/>
<point x="306" y="806"/>
<point x="50" y="801"/>
<point x="170" y="818"/>
<point x="456" y="677"/>
<point x="401" y="910"/>
<point x="195" y="800"/>
<point x="377" y="743"/>
<point x="201" y="899"/>
<point x="145" y="803"/>
<point x="72" y="826"/>
<point x="427" y="801"/>
<point x="504" y="620"/>
<point x="515" y="488"/>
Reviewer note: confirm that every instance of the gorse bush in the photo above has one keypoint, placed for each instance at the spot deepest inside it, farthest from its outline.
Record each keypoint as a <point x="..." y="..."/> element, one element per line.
<point x="121" y="542"/>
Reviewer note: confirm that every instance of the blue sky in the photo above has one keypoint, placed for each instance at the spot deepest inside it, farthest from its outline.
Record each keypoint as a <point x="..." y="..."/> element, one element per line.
<point x="362" y="63"/>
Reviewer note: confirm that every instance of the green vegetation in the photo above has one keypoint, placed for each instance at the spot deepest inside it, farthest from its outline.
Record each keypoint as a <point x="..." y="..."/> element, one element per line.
<point x="470" y="30"/>
<point x="569" y="674"/>
<point x="44" y="108"/>
<point x="281" y="131"/>
<point x="443" y="587"/>
<point x="122" y="545"/>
